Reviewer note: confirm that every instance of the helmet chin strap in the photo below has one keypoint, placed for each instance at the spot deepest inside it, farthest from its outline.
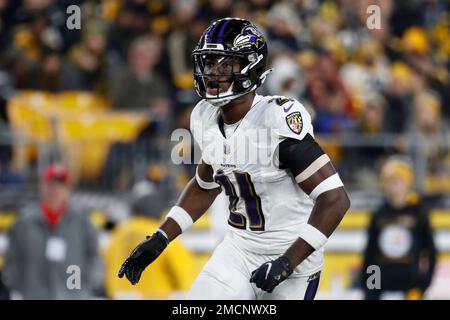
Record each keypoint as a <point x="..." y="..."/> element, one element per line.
<point x="220" y="102"/>
<point x="223" y="102"/>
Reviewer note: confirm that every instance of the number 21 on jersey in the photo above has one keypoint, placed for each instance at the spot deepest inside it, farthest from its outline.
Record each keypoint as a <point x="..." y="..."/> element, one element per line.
<point x="247" y="194"/>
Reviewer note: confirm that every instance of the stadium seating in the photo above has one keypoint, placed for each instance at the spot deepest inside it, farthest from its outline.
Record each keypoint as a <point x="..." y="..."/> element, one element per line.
<point x="79" y="123"/>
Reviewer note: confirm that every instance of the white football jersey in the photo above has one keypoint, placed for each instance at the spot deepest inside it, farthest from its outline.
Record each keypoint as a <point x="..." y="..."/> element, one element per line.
<point x="267" y="207"/>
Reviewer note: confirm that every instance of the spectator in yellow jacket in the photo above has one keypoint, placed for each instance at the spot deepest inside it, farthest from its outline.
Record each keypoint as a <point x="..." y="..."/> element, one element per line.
<point x="171" y="276"/>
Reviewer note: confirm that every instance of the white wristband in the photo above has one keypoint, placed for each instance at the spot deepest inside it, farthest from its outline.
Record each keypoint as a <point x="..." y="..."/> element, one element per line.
<point x="181" y="217"/>
<point x="204" y="184"/>
<point x="313" y="236"/>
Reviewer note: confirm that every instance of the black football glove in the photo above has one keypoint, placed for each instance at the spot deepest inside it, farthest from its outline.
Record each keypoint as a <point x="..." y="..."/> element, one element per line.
<point x="271" y="274"/>
<point x="144" y="254"/>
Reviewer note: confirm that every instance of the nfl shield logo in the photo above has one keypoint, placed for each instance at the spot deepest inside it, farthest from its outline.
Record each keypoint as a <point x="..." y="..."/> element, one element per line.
<point x="295" y="122"/>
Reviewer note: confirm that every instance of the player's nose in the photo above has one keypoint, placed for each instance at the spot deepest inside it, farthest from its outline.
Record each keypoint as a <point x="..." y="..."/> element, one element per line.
<point x="214" y="70"/>
<point x="213" y="76"/>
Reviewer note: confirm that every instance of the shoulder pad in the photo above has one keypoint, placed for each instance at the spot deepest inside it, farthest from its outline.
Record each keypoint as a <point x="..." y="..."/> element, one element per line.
<point x="288" y="118"/>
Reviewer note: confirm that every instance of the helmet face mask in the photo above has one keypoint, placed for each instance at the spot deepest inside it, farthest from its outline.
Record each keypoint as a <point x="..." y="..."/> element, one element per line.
<point x="229" y="61"/>
<point x="217" y="73"/>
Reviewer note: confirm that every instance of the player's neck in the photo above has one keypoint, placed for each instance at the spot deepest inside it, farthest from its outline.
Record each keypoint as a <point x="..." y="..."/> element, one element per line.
<point x="237" y="109"/>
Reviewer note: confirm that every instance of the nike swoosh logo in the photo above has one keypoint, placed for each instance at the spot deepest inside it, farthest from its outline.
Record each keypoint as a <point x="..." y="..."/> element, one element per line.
<point x="268" y="269"/>
<point x="287" y="109"/>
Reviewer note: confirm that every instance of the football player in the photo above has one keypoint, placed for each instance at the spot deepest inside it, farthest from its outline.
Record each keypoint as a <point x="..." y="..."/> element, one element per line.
<point x="281" y="211"/>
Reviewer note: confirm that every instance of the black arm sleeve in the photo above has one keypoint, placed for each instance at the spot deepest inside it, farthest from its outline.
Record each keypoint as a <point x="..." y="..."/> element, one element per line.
<point x="298" y="155"/>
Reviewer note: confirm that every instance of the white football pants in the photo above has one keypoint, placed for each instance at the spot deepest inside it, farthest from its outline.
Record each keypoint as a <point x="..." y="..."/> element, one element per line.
<point x="226" y="276"/>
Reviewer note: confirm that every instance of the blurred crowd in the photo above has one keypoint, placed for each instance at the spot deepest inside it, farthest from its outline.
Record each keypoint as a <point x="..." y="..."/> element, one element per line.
<point x="372" y="92"/>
